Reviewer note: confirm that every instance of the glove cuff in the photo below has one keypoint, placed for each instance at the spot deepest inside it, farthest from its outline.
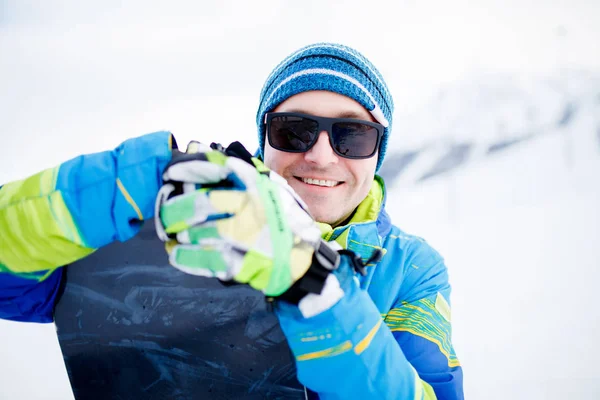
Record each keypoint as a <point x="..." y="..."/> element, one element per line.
<point x="324" y="261"/>
<point x="314" y="304"/>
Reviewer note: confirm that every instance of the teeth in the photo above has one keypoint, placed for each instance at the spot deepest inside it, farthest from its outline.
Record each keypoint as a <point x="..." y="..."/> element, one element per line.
<point x="319" y="182"/>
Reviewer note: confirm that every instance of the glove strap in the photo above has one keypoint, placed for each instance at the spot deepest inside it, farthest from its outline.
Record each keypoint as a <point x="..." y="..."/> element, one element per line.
<point x="235" y="149"/>
<point x="324" y="260"/>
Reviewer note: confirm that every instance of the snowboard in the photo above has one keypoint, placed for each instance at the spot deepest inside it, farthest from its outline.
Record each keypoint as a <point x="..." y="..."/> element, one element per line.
<point x="130" y="326"/>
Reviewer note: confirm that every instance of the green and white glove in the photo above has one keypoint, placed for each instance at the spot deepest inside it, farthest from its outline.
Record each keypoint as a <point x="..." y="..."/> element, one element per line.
<point x="234" y="219"/>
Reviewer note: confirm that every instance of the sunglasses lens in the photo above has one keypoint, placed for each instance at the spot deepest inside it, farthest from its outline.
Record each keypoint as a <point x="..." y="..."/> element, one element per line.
<point x="292" y="133"/>
<point x="354" y="139"/>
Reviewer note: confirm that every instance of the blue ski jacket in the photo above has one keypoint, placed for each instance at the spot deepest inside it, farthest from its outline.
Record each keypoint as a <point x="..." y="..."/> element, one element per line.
<point x="389" y="337"/>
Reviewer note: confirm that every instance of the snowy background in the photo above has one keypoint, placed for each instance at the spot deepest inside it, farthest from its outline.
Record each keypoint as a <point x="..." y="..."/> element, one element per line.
<point x="494" y="157"/>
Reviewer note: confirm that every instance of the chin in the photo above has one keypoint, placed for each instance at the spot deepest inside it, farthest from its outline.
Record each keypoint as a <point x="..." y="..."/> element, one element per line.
<point x="324" y="219"/>
<point x="325" y="210"/>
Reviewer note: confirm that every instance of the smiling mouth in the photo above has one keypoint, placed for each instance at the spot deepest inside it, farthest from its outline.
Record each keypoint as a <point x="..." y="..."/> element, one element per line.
<point x="319" y="182"/>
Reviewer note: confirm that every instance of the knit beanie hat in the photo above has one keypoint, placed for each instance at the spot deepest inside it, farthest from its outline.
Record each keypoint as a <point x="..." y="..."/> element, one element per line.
<point x="332" y="67"/>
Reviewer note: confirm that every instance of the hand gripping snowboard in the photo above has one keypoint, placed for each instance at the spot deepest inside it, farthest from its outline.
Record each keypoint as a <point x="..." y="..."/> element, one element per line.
<point x="130" y="326"/>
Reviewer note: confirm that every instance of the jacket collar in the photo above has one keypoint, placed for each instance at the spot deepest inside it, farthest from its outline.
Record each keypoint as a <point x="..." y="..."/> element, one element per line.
<point x="367" y="228"/>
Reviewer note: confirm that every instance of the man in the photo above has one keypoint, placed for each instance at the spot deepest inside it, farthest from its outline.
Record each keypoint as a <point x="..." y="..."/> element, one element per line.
<point x="365" y="311"/>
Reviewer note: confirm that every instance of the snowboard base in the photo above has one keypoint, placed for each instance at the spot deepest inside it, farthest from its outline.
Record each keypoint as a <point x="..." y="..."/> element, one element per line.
<point x="130" y="326"/>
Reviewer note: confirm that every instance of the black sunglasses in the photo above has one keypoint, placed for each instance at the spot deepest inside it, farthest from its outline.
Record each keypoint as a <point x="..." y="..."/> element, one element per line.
<point x="297" y="133"/>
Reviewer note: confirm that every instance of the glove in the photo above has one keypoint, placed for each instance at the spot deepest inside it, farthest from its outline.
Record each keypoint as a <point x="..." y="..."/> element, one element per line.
<point x="224" y="214"/>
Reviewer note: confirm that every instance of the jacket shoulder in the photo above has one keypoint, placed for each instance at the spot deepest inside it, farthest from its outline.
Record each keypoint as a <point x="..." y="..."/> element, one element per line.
<point x="410" y="247"/>
<point x="420" y="267"/>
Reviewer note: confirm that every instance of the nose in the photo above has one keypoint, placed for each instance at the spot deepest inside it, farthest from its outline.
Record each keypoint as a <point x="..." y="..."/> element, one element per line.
<point x="321" y="153"/>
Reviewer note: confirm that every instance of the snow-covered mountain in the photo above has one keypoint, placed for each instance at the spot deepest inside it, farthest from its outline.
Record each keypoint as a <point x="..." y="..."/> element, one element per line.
<point x="489" y="114"/>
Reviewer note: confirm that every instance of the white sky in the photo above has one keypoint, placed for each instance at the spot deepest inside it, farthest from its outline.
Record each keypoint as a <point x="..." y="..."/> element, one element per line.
<point x="76" y="77"/>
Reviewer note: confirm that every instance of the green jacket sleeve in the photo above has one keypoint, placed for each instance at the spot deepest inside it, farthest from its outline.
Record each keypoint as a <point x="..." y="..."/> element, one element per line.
<point x="64" y="213"/>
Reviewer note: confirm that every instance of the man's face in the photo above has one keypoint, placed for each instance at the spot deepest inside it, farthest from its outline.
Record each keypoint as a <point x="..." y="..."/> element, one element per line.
<point x="352" y="178"/>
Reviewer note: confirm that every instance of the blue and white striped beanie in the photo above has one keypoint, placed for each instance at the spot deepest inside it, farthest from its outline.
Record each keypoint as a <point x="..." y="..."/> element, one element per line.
<point x="332" y="67"/>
